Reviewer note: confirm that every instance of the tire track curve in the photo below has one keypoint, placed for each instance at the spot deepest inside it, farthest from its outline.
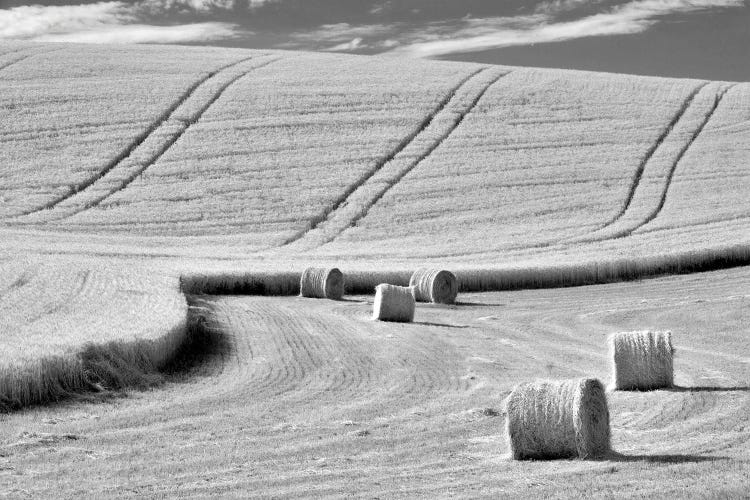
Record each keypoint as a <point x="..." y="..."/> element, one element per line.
<point x="649" y="188"/>
<point x="8" y="64"/>
<point x="13" y="57"/>
<point x="355" y="202"/>
<point x="148" y="147"/>
<point x="663" y="199"/>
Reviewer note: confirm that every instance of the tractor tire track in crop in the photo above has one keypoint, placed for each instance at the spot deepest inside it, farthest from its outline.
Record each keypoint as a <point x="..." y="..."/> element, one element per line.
<point x="648" y="191"/>
<point x="650" y="153"/>
<point x="663" y="198"/>
<point x="354" y="203"/>
<point x="15" y="60"/>
<point x="148" y="147"/>
<point x="13" y="57"/>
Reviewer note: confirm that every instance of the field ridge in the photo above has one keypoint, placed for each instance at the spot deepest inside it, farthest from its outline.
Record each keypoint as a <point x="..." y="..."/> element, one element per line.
<point x="438" y="126"/>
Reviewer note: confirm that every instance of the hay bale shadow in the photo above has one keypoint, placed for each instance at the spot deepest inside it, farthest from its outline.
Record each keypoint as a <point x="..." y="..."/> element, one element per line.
<point x="662" y="458"/>
<point x="678" y="388"/>
<point x="442" y="325"/>
<point x="206" y="348"/>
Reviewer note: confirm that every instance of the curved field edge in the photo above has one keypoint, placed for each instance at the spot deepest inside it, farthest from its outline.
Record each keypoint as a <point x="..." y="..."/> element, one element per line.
<point x="60" y="342"/>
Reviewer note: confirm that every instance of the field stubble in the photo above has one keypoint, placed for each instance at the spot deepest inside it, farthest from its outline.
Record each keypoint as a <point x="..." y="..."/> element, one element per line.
<point x="309" y="397"/>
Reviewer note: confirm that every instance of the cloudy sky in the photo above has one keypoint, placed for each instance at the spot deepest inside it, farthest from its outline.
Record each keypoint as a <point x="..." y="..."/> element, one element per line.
<point x="687" y="38"/>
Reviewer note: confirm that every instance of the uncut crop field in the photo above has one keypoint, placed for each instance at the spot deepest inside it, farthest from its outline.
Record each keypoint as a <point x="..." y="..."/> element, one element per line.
<point x="153" y="200"/>
<point x="248" y="155"/>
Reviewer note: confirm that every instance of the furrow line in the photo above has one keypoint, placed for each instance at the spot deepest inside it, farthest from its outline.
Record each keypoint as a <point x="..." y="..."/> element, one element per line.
<point x="655" y="171"/>
<point x="143" y="151"/>
<point x="353" y="204"/>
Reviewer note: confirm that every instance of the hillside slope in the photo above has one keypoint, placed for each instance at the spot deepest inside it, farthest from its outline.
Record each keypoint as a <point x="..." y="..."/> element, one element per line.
<point x="238" y="155"/>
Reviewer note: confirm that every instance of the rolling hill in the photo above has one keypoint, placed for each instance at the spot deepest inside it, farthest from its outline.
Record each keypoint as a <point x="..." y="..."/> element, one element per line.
<point x="131" y="176"/>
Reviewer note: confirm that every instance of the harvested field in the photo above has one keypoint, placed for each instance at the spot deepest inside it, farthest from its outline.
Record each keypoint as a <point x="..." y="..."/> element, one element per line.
<point x="309" y="397"/>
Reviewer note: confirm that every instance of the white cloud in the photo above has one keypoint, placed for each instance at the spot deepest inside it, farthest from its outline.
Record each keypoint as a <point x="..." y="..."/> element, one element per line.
<point x="113" y="22"/>
<point x="354" y="44"/>
<point x="557" y="6"/>
<point x="491" y="33"/>
<point x="201" y="6"/>
<point x="30" y="21"/>
<point x="160" y="6"/>
<point x="344" y="37"/>
<point x="143" y="33"/>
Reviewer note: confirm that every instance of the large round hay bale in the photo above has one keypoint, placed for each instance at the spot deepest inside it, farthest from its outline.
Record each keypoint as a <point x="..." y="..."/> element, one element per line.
<point x="641" y="360"/>
<point x="558" y="419"/>
<point x="434" y="285"/>
<point x="393" y="303"/>
<point x="322" y="283"/>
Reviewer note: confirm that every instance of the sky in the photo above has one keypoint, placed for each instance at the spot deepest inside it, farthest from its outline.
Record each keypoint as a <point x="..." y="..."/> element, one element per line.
<point x="680" y="38"/>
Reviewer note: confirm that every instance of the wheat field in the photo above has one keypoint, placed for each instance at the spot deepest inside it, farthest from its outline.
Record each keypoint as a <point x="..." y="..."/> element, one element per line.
<point x="158" y="205"/>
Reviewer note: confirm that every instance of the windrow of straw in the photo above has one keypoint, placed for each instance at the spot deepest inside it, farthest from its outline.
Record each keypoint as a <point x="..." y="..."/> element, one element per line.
<point x="483" y="279"/>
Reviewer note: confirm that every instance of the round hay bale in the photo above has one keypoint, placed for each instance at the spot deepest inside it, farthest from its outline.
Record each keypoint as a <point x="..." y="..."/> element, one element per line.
<point x="322" y="283"/>
<point x="393" y="303"/>
<point x="641" y="360"/>
<point x="558" y="419"/>
<point x="434" y="285"/>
